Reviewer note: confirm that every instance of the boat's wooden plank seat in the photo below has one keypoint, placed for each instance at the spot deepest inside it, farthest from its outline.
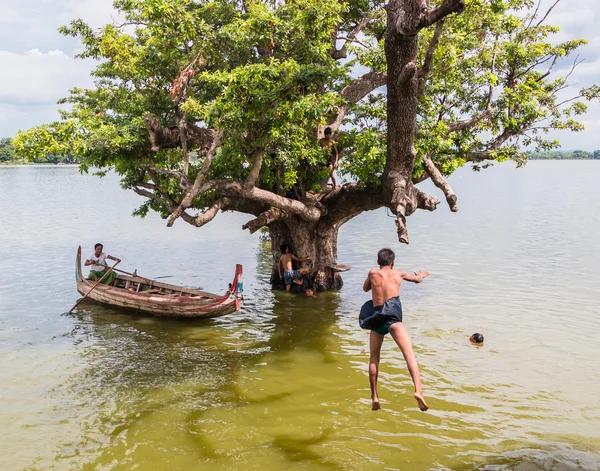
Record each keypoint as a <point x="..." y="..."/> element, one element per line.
<point x="168" y="289"/>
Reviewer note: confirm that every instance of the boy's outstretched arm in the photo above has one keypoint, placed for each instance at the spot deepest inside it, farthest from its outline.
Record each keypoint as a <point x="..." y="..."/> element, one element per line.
<point x="367" y="283"/>
<point x="417" y="277"/>
<point x="299" y="259"/>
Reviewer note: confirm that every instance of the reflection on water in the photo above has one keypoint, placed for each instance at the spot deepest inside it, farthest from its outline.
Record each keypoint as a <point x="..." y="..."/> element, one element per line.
<point x="283" y="383"/>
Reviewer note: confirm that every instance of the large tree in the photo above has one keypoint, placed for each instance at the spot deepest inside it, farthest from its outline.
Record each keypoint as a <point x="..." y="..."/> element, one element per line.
<point x="204" y="107"/>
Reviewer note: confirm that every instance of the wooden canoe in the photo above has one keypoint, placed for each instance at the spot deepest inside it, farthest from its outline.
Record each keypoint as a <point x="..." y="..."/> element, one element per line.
<point x="161" y="299"/>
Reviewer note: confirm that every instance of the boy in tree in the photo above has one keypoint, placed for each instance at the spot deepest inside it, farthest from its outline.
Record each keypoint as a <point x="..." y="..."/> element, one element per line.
<point x="384" y="314"/>
<point x="289" y="274"/>
<point x="330" y="147"/>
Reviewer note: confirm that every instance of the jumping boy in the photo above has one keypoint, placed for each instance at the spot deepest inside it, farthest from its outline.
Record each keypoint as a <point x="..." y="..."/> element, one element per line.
<point x="384" y="314"/>
<point x="289" y="274"/>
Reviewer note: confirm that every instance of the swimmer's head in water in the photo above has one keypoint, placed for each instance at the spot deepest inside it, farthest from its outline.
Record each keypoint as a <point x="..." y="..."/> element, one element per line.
<point x="476" y="338"/>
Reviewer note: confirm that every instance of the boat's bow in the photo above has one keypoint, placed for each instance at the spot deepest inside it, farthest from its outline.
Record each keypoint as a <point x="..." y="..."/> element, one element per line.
<point x="236" y="288"/>
<point x="78" y="275"/>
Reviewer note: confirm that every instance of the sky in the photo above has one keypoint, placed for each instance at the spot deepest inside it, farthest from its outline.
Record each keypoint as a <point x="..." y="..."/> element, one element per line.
<point x="37" y="65"/>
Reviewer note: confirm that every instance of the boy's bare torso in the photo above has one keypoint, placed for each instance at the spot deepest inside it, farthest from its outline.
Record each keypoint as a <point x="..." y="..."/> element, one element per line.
<point x="385" y="284"/>
<point x="286" y="261"/>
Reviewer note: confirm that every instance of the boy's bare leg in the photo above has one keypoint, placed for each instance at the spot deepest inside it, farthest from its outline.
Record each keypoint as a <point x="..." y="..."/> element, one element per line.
<point x="288" y="287"/>
<point x="375" y="342"/>
<point x="333" y="181"/>
<point x="400" y="336"/>
<point x="299" y="281"/>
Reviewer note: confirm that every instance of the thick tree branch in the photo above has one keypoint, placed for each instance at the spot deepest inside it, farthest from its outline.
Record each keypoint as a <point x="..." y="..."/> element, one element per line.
<point x="351" y="200"/>
<point x="308" y="213"/>
<point x="353" y="93"/>
<point x="264" y="219"/>
<point x="206" y="216"/>
<point x="193" y="191"/>
<point x="255" y="170"/>
<point x="362" y="86"/>
<point x="235" y="190"/>
<point x="169" y="138"/>
<point x="142" y="192"/>
<point x="438" y="179"/>
<point x="425" y="201"/>
<point x="433" y="16"/>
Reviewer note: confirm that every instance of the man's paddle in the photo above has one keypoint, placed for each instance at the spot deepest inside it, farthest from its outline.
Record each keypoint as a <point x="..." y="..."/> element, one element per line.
<point x="97" y="282"/>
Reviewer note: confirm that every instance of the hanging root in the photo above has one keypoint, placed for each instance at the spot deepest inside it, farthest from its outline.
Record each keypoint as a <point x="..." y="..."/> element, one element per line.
<point x="407" y="202"/>
<point x="438" y="179"/>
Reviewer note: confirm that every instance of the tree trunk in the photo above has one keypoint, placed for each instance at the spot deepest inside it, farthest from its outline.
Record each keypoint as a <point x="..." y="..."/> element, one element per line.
<point x="315" y="240"/>
<point x="401" y="55"/>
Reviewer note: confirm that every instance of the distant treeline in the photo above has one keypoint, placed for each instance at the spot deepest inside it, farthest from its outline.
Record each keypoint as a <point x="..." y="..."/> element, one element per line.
<point x="8" y="156"/>
<point x="564" y="155"/>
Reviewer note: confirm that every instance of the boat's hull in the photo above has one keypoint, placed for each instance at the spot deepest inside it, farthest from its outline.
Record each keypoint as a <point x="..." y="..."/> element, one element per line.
<point x="190" y="306"/>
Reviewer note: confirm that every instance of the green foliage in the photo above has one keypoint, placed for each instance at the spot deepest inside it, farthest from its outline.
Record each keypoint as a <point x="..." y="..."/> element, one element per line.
<point x="8" y="154"/>
<point x="263" y="73"/>
<point x="7" y="151"/>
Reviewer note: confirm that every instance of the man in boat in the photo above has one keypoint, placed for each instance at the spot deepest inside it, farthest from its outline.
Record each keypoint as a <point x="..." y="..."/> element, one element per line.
<point x="383" y="315"/>
<point x="289" y="274"/>
<point x="329" y="146"/>
<point x="97" y="264"/>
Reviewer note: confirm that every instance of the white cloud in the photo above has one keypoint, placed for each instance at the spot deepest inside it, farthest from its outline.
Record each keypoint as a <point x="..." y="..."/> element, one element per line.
<point x="42" y="78"/>
<point x="585" y="74"/>
<point x="14" y="118"/>
<point x="26" y="24"/>
<point x="38" y="67"/>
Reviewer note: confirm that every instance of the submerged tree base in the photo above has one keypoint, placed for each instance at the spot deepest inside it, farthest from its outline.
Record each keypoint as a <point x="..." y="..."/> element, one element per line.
<point x="316" y="241"/>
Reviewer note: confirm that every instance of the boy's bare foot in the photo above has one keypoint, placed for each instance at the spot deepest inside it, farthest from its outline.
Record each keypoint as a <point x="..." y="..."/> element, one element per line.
<point x="421" y="401"/>
<point x="298" y="282"/>
<point x="375" y="405"/>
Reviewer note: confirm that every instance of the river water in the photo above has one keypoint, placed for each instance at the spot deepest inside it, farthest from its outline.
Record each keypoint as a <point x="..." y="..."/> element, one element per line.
<point x="283" y="383"/>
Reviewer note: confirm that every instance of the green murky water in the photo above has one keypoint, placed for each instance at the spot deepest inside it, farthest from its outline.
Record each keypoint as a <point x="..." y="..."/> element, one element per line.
<point x="283" y="384"/>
